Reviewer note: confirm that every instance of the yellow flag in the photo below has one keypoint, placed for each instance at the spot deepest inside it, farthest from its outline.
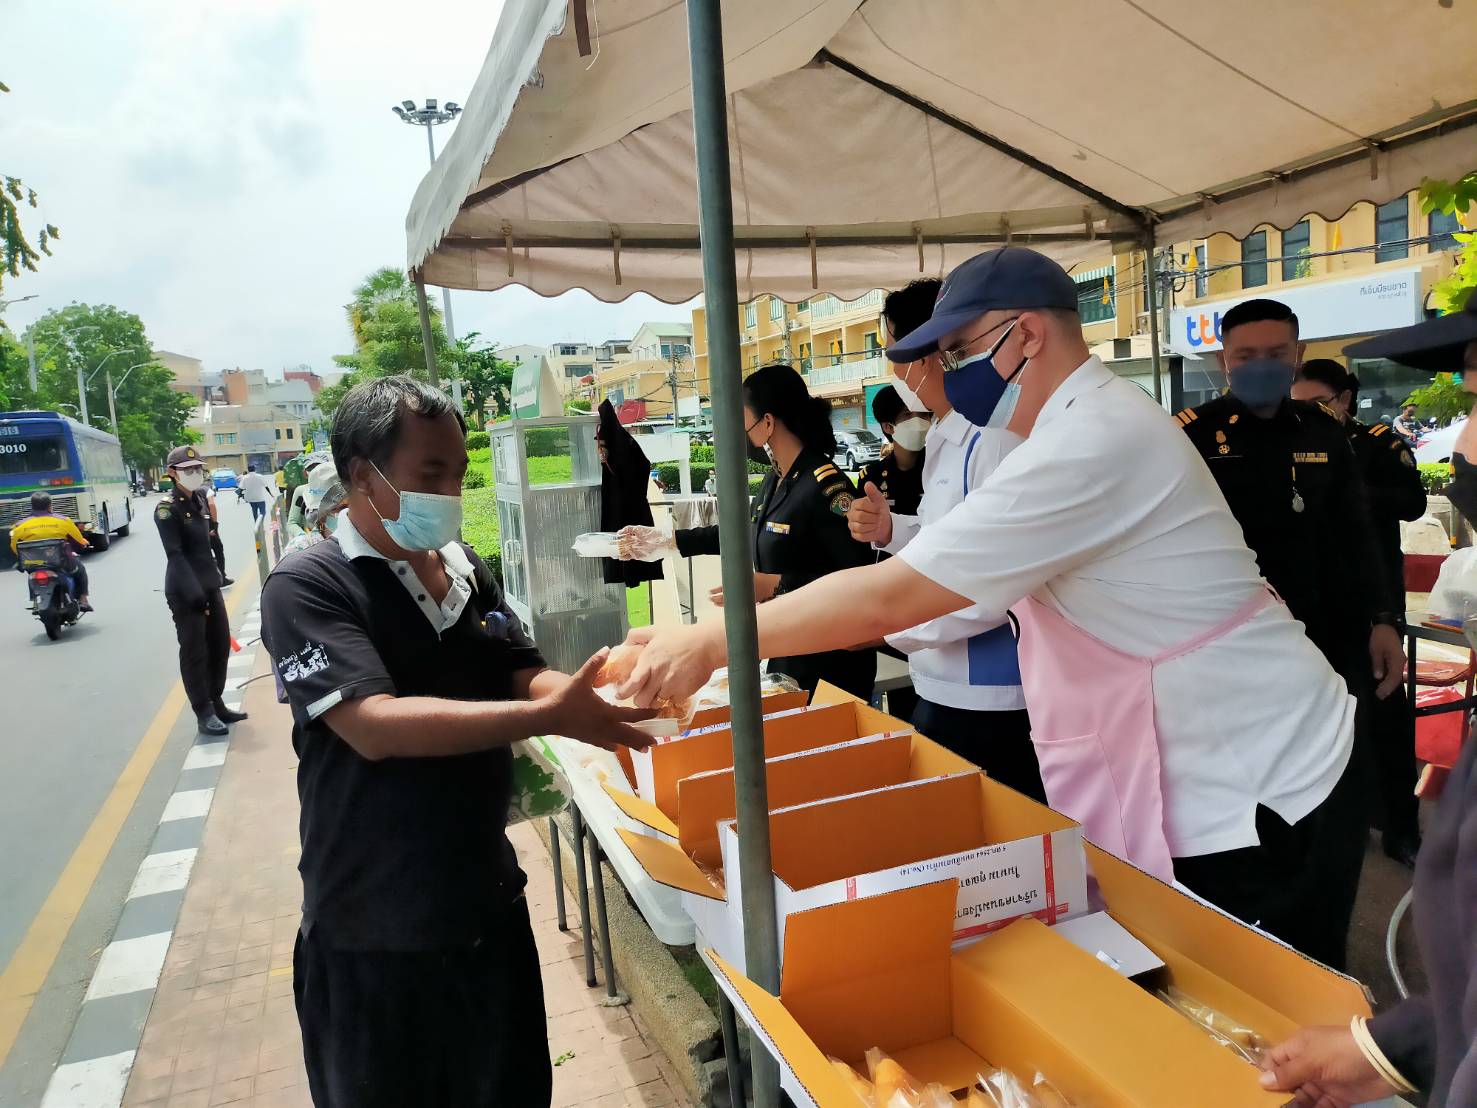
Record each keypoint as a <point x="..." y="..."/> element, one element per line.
<point x="1107" y="297"/>
<point x="1191" y="264"/>
<point x="1336" y="240"/>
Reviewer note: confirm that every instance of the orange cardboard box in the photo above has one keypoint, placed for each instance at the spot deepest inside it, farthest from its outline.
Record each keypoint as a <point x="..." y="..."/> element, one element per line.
<point x="1011" y="856"/>
<point x="880" y="972"/>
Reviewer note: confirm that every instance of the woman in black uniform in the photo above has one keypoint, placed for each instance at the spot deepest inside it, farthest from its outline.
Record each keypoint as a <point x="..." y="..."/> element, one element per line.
<point x="800" y="529"/>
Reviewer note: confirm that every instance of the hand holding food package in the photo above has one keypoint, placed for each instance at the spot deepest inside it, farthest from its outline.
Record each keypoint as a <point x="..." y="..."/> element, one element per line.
<point x="672" y="715"/>
<point x="629" y="544"/>
<point x="1221" y="1027"/>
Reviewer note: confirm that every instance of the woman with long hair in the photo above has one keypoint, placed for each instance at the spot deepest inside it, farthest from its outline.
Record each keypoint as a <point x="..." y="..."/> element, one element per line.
<point x="800" y="528"/>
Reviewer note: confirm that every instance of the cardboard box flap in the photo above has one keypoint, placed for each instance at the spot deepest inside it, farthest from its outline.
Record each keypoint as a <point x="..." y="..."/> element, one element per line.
<point x="948" y="1061"/>
<point x="1220" y="960"/>
<point x="665" y="864"/>
<point x="706" y="799"/>
<point x="775" y="702"/>
<point x="1041" y="1003"/>
<point x="886" y="984"/>
<point x="823" y="841"/>
<point x="827" y="693"/>
<point x="784" y="733"/>
<point x="766" y="1017"/>
<point x="642" y="811"/>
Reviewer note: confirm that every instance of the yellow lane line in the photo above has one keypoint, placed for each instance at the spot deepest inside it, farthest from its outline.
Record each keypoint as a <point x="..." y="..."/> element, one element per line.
<point x="38" y="949"/>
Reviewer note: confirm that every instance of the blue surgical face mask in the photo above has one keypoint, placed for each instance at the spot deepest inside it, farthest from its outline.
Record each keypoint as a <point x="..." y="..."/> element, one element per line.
<point x="978" y="392"/>
<point x="427" y="521"/>
<point x="1261" y="383"/>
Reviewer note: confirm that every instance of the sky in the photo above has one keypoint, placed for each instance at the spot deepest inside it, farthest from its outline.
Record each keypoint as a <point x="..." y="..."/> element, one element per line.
<point x="230" y="170"/>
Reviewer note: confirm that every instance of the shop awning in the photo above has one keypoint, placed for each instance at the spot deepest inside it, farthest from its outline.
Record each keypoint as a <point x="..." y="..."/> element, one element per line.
<point x="871" y="141"/>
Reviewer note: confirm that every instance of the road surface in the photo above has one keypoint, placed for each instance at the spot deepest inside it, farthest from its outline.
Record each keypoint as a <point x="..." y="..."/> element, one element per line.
<point x="75" y="710"/>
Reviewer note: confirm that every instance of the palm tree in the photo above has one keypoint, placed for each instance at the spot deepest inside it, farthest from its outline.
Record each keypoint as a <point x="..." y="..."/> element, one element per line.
<point x="385" y="285"/>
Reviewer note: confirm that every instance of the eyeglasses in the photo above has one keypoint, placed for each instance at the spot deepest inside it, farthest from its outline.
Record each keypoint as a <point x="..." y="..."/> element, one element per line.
<point x="951" y="358"/>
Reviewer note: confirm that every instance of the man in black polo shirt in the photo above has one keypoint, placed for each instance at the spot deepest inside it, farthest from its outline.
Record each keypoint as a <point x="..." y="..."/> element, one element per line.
<point x="416" y="976"/>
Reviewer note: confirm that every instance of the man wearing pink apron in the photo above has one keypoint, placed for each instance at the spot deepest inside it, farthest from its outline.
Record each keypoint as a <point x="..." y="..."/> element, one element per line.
<point x="1176" y="707"/>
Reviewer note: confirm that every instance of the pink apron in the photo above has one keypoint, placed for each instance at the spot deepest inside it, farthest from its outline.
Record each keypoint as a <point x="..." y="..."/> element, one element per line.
<point x="1092" y="723"/>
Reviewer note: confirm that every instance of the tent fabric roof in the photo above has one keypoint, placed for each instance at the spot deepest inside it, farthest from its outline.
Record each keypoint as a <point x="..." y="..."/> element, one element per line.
<point x="874" y="140"/>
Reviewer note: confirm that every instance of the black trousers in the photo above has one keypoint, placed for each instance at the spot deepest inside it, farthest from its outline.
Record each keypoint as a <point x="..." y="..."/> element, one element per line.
<point x="204" y="647"/>
<point x="1389" y="729"/>
<point x="855" y="671"/>
<point x="998" y="742"/>
<point x="1300" y="881"/>
<point x="463" y="1027"/>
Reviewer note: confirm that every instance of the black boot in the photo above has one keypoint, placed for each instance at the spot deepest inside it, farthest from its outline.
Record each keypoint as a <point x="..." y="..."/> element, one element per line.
<point x="226" y="714"/>
<point x="210" y="724"/>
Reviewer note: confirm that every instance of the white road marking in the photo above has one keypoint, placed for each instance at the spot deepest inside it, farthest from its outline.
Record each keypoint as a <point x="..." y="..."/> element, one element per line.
<point x="205" y="755"/>
<point x="129" y="965"/>
<point x="187" y="805"/>
<point x="165" y="872"/>
<point x="93" y="1083"/>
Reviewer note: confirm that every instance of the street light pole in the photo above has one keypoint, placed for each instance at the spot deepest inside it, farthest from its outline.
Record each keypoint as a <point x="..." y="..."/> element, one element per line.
<point x="428" y="117"/>
<point x="113" y="391"/>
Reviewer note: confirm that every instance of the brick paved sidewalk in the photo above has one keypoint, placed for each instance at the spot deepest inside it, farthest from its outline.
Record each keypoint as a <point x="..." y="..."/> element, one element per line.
<point x="222" y="1029"/>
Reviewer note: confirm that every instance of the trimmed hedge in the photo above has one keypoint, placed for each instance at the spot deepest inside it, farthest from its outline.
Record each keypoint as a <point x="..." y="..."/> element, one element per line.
<point x="671" y="475"/>
<point x="478" y="440"/>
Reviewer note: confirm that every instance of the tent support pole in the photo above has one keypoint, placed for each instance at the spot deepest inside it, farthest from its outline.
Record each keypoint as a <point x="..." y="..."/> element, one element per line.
<point x="1151" y="294"/>
<point x="720" y="291"/>
<point x="428" y="343"/>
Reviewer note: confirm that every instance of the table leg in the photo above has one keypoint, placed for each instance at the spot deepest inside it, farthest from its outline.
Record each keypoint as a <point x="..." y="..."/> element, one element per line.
<point x="555" y="847"/>
<point x="732" y="1059"/>
<point x="606" y="953"/>
<point x="584" y="891"/>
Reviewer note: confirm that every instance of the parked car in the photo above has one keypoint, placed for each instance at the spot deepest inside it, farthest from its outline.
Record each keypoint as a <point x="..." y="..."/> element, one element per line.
<point x="222" y="479"/>
<point x="1435" y="446"/>
<point x="857" y="448"/>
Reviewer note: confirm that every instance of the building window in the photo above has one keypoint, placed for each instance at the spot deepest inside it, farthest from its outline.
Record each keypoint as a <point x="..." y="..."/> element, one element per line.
<point x="666" y="351"/>
<point x="1441" y="227"/>
<point x="870" y="343"/>
<point x="1202" y="279"/>
<point x="1254" y="260"/>
<point x="1295" y="260"/>
<point x="289" y="434"/>
<point x="1096" y="294"/>
<point x="751" y="315"/>
<point x="1391" y="230"/>
<point x="776" y="308"/>
<point x="278" y="432"/>
<point x="802" y="306"/>
<point x="225" y="440"/>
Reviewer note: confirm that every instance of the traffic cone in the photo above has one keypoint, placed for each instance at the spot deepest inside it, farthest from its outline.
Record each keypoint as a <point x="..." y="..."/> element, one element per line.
<point x="235" y="646"/>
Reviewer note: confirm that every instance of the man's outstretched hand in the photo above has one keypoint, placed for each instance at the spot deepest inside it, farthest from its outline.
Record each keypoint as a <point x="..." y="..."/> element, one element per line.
<point x="675" y="662"/>
<point x="870" y="517"/>
<point x="577" y="711"/>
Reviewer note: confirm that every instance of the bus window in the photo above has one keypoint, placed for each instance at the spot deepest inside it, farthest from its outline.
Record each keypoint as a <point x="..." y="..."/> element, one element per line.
<point x="42" y="455"/>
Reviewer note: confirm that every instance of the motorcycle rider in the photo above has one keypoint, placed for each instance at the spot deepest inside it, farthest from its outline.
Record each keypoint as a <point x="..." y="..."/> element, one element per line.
<point x="42" y="524"/>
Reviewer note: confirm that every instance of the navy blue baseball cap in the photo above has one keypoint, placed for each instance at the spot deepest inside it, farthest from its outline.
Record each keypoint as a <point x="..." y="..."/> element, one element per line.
<point x="1012" y="277"/>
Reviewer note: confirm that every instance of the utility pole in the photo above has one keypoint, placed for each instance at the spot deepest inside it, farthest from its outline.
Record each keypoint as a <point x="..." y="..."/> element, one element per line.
<point x="428" y="117"/>
<point x="82" y="394"/>
<point x="31" y="352"/>
<point x="1151" y="294"/>
<point x="112" y="404"/>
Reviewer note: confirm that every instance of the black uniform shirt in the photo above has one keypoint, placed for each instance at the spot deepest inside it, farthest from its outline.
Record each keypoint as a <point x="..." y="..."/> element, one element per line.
<point x="403" y="853"/>
<point x="1322" y="559"/>
<point x="1393" y="482"/>
<point x="800" y="528"/>
<point x="903" y="488"/>
<point x="183" y="520"/>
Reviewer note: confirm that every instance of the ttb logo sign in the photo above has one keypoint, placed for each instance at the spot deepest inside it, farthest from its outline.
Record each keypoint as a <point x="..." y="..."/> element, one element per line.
<point x="1202" y="330"/>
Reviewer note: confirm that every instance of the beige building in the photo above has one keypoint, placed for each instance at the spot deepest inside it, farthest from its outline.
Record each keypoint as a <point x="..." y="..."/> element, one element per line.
<point x="1368" y="271"/>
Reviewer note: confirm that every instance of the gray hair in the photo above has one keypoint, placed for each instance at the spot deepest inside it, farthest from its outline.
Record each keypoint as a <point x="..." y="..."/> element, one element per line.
<point x="368" y="421"/>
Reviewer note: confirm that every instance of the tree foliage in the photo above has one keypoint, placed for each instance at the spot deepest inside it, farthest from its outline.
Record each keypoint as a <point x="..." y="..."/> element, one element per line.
<point x="385" y="322"/>
<point x="16" y="251"/>
<point x="1456" y="198"/>
<point x="486" y="378"/>
<point x="1444" y="399"/>
<point x="99" y="339"/>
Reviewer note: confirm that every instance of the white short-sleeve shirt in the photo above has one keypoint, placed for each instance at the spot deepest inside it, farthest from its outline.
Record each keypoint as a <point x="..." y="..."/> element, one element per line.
<point x="1107" y="515"/>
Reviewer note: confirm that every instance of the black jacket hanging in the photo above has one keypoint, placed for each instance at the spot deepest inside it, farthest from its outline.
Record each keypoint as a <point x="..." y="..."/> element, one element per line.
<point x="624" y="473"/>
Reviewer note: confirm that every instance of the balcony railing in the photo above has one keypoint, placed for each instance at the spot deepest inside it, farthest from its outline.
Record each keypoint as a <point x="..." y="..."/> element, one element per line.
<point x="829" y="306"/>
<point x="851" y="369"/>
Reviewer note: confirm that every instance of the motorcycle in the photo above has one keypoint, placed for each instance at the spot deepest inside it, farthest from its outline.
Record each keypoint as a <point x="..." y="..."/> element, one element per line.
<point x="45" y="562"/>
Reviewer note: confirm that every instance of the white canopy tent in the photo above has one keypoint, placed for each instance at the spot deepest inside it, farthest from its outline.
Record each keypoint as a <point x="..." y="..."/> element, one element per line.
<point x="871" y="141"/>
<point x="867" y="141"/>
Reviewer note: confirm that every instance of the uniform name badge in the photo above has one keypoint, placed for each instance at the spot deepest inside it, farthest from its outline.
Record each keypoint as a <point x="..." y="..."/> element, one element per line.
<point x="777" y="528"/>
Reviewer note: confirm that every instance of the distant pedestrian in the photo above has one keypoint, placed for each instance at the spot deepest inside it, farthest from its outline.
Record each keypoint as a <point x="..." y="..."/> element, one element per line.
<point x="258" y="491"/>
<point x="415" y="975"/>
<point x="192" y="588"/>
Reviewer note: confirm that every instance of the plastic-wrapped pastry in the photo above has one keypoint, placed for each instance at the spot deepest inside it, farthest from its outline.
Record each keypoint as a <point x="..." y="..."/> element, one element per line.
<point x="865" y="1093"/>
<point x="1222" y="1028"/>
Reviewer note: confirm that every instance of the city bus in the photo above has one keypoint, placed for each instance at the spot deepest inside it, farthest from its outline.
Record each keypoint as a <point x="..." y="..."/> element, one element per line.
<point x="80" y="466"/>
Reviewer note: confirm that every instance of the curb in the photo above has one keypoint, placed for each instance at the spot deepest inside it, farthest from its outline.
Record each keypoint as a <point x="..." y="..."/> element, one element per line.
<point x="98" y="1059"/>
<point x="682" y="1025"/>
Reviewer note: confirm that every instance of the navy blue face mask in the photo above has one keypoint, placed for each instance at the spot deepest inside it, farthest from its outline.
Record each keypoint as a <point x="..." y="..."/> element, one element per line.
<point x="975" y="389"/>
<point x="1262" y="382"/>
